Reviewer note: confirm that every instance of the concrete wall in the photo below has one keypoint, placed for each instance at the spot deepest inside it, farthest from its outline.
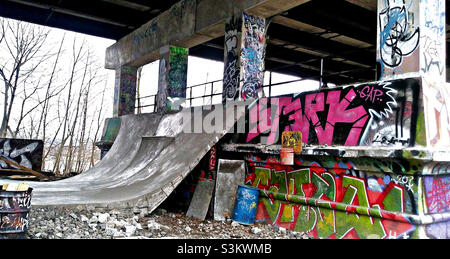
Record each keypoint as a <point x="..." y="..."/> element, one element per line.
<point x="332" y="197"/>
<point x="388" y="113"/>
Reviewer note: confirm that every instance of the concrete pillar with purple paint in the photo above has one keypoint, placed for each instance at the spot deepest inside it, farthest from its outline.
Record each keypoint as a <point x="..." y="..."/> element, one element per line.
<point x="125" y="91"/>
<point x="245" y="40"/>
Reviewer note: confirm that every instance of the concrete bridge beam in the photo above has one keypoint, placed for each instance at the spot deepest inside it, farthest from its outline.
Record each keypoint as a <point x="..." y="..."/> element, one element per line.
<point x="186" y="24"/>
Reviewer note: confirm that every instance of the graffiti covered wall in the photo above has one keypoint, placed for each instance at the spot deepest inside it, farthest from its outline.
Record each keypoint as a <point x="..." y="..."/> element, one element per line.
<point x="412" y="37"/>
<point x="232" y="69"/>
<point x="345" y="198"/>
<point x="244" y="58"/>
<point x="437" y="198"/>
<point x="375" y="114"/>
<point x="125" y="91"/>
<point x="399" y="37"/>
<point x="172" y="81"/>
<point x="27" y="153"/>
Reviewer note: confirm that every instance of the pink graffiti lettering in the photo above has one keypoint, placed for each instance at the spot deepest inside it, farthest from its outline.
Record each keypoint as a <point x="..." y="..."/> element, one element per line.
<point x="371" y="94"/>
<point x="266" y="120"/>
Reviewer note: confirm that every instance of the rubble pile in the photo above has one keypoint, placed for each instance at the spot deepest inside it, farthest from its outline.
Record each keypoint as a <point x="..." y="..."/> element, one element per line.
<point x="100" y="223"/>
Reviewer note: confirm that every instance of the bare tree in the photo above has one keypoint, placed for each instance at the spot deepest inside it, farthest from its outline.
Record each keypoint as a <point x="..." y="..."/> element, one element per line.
<point x="77" y="56"/>
<point x="24" y="46"/>
<point x="52" y="92"/>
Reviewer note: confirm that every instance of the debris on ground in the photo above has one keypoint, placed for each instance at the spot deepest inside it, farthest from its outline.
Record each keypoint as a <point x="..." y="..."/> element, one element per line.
<point x="100" y="223"/>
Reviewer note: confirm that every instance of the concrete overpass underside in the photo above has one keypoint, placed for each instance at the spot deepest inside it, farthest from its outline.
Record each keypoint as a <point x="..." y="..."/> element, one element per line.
<point x="343" y="33"/>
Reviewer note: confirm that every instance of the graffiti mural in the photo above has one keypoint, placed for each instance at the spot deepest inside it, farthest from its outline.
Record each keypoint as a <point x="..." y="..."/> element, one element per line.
<point x="331" y="198"/>
<point x="172" y="81"/>
<point x="437" y="198"/>
<point x="232" y="70"/>
<point x="376" y="114"/>
<point x="252" y="57"/>
<point x="437" y="113"/>
<point x="397" y="40"/>
<point x="125" y="91"/>
<point x="178" y="72"/>
<point x="433" y="38"/>
<point x="27" y="153"/>
<point x="244" y="58"/>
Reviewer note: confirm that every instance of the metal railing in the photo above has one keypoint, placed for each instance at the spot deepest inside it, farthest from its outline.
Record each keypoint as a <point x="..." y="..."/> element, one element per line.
<point x="150" y="103"/>
<point x="211" y="93"/>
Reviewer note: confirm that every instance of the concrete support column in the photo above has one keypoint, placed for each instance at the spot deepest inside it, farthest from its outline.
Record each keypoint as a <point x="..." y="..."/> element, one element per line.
<point x="172" y="80"/>
<point x="125" y="91"/>
<point x="412" y="43"/>
<point x="245" y="40"/>
<point x="411" y="38"/>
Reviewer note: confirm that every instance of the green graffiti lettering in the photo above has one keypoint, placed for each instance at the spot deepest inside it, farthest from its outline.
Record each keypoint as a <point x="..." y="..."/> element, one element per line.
<point x="272" y="207"/>
<point x="299" y="177"/>
<point x="261" y="177"/>
<point x="325" y="186"/>
<point x="306" y="219"/>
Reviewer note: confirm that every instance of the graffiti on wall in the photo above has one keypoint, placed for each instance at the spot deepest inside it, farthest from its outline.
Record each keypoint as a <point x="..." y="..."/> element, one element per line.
<point x="178" y="72"/>
<point x="397" y="39"/>
<point x="252" y="57"/>
<point x="433" y="38"/>
<point x="232" y="70"/>
<point x="352" y="203"/>
<point x="27" y="153"/>
<point x="244" y="58"/>
<point x="437" y="198"/>
<point x="376" y="114"/>
<point x="437" y="111"/>
<point x="172" y="81"/>
<point x="125" y="91"/>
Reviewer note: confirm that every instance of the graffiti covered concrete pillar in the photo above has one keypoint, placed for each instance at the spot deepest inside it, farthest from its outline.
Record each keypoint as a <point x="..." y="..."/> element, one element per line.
<point x="411" y="38"/>
<point x="244" y="58"/>
<point x="124" y="91"/>
<point x="412" y="42"/>
<point x="172" y="80"/>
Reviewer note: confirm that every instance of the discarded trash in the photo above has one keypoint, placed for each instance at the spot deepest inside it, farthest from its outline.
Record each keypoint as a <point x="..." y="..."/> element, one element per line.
<point x="230" y="174"/>
<point x="14" y="209"/>
<point x="14" y="187"/>
<point x="246" y="205"/>
<point x="201" y="200"/>
<point x="292" y="139"/>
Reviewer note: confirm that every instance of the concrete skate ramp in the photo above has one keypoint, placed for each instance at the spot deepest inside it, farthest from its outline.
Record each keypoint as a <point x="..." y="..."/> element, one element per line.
<point x="150" y="157"/>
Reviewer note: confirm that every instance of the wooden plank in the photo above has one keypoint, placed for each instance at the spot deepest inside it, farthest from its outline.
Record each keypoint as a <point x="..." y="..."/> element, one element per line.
<point x="367" y="4"/>
<point x="27" y="170"/>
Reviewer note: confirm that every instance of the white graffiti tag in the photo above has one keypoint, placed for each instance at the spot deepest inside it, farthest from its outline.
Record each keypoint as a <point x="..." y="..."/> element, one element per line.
<point x="5" y="151"/>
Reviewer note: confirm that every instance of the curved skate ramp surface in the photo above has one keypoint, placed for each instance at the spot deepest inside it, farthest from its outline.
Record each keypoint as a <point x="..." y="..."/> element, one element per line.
<point x="150" y="157"/>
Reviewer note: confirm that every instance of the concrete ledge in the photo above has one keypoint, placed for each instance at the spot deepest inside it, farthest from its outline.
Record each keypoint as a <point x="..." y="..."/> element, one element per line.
<point x="417" y="153"/>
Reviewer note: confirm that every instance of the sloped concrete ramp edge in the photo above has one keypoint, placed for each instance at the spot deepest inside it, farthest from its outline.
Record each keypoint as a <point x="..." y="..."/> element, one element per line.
<point x="152" y="154"/>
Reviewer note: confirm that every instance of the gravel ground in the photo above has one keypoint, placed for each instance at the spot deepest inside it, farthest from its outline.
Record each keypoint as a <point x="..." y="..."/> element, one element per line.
<point x="98" y="223"/>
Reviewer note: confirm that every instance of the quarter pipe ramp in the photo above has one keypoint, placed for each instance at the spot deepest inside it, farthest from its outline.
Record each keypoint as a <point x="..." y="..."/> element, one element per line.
<point x="149" y="158"/>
